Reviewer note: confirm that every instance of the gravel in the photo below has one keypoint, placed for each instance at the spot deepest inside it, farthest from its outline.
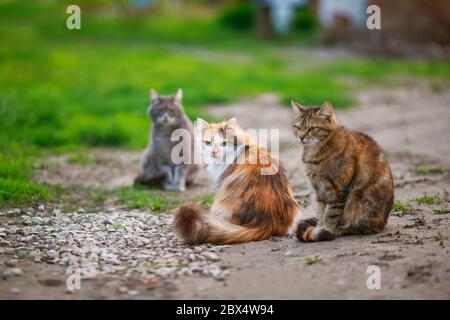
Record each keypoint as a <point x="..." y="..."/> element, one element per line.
<point x="129" y="244"/>
<point x="12" y="272"/>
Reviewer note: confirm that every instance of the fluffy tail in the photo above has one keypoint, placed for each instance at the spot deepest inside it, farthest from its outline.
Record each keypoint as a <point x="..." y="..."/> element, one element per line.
<point x="308" y="232"/>
<point x="193" y="227"/>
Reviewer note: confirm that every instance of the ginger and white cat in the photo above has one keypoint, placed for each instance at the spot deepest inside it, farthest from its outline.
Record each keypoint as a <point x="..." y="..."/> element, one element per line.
<point x="249" y="205"/>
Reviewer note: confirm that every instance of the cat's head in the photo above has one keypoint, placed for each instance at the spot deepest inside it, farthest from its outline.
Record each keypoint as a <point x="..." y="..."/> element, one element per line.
<point x="313" y="125"/>
<point x="220" y="143"/>
<point x="165" y="110"/>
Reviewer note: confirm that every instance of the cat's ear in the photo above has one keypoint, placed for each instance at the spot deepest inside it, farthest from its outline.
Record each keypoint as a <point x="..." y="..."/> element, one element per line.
<point x="178" y="95"/>
<point x="297" y="107"/>
<point x="231" y="127"/>
<point x="232" y="124"/>
<point x="326" y="110"/>
<point x="200" y="124"/>
<point x="153" y="95"/>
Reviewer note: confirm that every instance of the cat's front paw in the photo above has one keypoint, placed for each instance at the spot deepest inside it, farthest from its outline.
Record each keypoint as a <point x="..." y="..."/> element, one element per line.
<point x="306" y="232"/>
<point x="323" y="234"/>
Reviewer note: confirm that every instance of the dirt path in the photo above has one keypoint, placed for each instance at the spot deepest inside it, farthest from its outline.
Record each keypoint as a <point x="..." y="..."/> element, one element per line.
<point x="412" y="126"/>
<point x="412" y="253"/>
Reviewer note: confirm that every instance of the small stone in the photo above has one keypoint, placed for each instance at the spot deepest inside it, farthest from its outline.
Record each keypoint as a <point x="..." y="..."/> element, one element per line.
<point x="116" y="244"/>
<point x="14" y="290"/>
<point x="81" y="210"/>
<point x="4" y="242"/>
<point x="217" y="249"/>
<point x="22" y="253"/>
<point x="198" y="250"/>
<point x="122" y="289"/>
<point x="107" y="221"/>
<point x="26" y="220"/>
<point x="215" y="272"/>
<point x="222" y="276"/>
<point x="12" y="272"/>
<point x="211" y="256"/>
<point x="41" y="220"/>
<point x="133" y="292"/>
<point x="51" y="254"/>
<point x="200" y="288"/>
<point x="41" y="207"/>
<point x="191" y="257"/>
<point x="30" y="239"/>
<point x="11" y="263"/>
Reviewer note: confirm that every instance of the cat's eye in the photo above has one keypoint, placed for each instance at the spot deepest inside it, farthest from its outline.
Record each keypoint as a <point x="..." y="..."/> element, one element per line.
<point x="208" y="143"/>
<point x="224" y="144"/>
<point x="296" y="127"/>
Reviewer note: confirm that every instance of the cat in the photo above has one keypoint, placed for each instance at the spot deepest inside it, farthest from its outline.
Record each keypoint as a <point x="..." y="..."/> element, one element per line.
<point x="349" y="173"/>
<point x="157" y="167"/>
<point x="248" y="205"/>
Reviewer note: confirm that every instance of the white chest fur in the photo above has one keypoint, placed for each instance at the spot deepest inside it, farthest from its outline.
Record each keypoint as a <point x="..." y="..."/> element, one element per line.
<point x="217" y="170"/>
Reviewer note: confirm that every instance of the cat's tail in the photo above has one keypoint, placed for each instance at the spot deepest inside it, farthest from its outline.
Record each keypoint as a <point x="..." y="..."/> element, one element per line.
<point x="193" y="227"/>
<point x="307" y="231"/>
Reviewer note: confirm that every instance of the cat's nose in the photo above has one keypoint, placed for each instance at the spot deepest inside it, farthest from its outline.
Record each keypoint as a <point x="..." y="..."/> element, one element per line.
<point x="214" y="152"/>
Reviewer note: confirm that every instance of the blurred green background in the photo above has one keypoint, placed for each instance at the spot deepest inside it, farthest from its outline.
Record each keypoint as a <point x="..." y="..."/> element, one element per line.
<point x="63" y="90"/>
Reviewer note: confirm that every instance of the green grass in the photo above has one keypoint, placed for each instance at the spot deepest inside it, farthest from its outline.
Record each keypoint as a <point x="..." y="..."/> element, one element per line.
<point x="141" y="198"/>
<point x="79" y="158"/>
<point x="15" y="188"/>
<point x="401" y="208"/>
<point x="118" y="226"/>
<point x="439" y="237"/>
<point x="207" y="200"/>
<point x="98" y="198"/>
<point x="442" y="209"/>
<point x="65" y="91"/>
<point x="425" y="170"/>
<point x="427" y="199"/>
<point x="20" y="192"/>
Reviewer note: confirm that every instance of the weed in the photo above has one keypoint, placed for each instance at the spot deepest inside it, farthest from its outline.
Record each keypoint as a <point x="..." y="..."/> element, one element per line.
<point x="313" y="260"/>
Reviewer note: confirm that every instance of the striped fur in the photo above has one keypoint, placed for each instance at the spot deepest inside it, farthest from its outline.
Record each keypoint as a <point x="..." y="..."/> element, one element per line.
<point x="349" y="173"/>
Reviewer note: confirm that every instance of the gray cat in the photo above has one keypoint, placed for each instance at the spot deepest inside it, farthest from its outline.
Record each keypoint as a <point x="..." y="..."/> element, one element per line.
<point x="157" y="167"/>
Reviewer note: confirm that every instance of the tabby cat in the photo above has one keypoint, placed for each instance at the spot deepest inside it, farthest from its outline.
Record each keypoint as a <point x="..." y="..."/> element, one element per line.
<point x="249" y="205"/>
<point x="349" y="173"/>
